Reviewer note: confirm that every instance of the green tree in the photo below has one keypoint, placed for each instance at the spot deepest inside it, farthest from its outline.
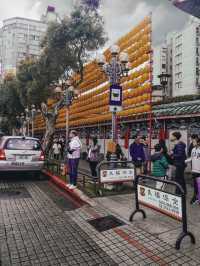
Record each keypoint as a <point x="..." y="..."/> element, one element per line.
<point x="10" y="104"/>
<point x="66" y="47"/>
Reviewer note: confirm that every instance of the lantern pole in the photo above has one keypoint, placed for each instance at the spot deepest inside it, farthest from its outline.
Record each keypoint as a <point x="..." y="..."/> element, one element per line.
<point x="151" y="86"/>
<point x="115" y="69"/>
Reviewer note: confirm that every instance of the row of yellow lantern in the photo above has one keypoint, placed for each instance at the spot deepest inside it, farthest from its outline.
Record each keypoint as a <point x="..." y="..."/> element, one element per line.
<point x="94" y="112"/>
<point x="128" y="90"/>
<point x="143" y="72"/>
<point x="134" y="52"/>
<point x="137" y="101"/>
<point x="142" y="58"/>
<point x="132" y="45"/>
<point x="92" y="97"/>
<point x="135" y="30"/>
<point x="97" y="100"/>
<point x="135" y="39"/>
<point x="143" y="47"/>
<point x="137" y="73"/>
<point x="102" y="117"/>
<point x="135" y="96"/>
<point x="140" y="61"/>
<point x="105" y="117"/>
<point x="95" y="92"/>
<point x="101" y="100"/>
<point x="144" y="38"/>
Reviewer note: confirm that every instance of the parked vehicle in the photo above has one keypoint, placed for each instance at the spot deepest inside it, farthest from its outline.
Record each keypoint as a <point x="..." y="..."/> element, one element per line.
<point x="21" y="154"/>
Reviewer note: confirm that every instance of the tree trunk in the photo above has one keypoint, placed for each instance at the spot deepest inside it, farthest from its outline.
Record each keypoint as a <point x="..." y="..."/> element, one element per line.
<point x="49" y="133"/>
<point x="50" y="116"/>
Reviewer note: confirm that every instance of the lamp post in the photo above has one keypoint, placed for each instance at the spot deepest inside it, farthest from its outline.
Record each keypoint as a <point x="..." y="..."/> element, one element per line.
<point x="164" y="77"/>
<point x="69" y="94"/>
<point x="30" y="115"/>
<point x="117" y="68"/>
<point x="22" y="122"/>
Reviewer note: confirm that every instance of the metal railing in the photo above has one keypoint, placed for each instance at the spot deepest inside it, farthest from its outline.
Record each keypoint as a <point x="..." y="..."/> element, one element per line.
<point x="181" y="194"/>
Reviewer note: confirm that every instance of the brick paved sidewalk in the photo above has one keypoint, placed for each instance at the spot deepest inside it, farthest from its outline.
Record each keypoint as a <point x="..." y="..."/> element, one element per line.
<point x="35" y="231"/>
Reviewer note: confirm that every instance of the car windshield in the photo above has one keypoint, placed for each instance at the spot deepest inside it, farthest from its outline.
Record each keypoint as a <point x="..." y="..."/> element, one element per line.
<point x="23" y="144"/>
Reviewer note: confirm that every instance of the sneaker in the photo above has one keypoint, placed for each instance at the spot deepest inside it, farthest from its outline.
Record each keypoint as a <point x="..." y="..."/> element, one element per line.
<point x="193" y="200"/>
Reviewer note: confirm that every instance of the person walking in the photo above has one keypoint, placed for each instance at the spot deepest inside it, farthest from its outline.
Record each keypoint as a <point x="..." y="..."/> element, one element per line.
<point x="160" y="165"/>
<point x="147" y="155"/>
<point x="178" y="156"/>
<point x="56" y="149"/>
<point x="93" y="156"/>
<point x="73" y="155"/>
<point x="137" y="154"/>
<point x="194" y="138"/>
<point x="195" y="160"/>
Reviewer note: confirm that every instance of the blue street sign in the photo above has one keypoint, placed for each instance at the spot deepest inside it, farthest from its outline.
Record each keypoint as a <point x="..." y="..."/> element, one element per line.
<point x="115" y="98"/>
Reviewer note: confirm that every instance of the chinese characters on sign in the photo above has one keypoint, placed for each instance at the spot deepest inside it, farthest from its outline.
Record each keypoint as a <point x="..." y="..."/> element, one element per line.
<point x="115" y="101"/>
<point x="164" y="202"/>
<point x="117" y="175"/>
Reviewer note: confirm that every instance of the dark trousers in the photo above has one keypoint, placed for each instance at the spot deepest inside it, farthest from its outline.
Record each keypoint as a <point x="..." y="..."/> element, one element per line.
<point x="195" y="186"/>
<point x="73" y="171"/>
<point x="93" y="167"/>
<point x="180" y="179"/>
<point x="56" y="157"/>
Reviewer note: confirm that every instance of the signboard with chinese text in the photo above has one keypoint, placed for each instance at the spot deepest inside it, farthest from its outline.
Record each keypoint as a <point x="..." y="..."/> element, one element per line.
<point x="161" y="201"/>
<point x="115" y="101"/>
<point x="117" y="175"/>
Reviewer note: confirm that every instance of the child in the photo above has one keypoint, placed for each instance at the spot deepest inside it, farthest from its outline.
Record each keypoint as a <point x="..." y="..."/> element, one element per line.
<point x="160" y="165"/>
<point x="195" y="159"/>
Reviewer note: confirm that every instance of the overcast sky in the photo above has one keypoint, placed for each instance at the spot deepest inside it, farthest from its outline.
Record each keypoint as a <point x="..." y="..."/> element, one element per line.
<point x="120" y="15"/>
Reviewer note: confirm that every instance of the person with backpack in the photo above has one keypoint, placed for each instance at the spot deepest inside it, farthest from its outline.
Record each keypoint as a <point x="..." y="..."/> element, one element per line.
<point x="195" y="160"/>
<point x="160" y="165"/>
<point x="93" y="156"/>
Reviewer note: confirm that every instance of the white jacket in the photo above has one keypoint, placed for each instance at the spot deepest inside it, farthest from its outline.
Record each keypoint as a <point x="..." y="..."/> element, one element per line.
<point x="195" y="159"/>
<point x="75" y="144"/>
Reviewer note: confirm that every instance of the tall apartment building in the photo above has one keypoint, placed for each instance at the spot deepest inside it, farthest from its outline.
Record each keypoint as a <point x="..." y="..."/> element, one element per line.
<point x="186" y="60"/>
<point x="182" y="59"/>
<point x="21" y="38"/>
<point x="159" y="62"/>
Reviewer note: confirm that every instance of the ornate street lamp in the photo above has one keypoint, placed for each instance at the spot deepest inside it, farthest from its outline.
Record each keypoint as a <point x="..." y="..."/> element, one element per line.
<point x="69" y="94"/>
<point x="117" y="68"/>
<point x="30" y="115"/>
<point x="164" y="77"/>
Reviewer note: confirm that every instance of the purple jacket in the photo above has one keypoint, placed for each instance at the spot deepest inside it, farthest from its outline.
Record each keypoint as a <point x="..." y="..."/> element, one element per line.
<point x="137" y="151"/>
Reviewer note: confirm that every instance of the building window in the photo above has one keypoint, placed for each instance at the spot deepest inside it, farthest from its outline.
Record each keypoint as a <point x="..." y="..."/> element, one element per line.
<point x="178" y="67"/>
<point x="178" y="85"/>
<point x="178" y="76"/>
<point x="178" y="48"/>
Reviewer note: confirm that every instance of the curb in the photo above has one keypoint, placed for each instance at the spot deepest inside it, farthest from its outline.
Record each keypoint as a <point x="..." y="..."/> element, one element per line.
<point x="76" y="194"/>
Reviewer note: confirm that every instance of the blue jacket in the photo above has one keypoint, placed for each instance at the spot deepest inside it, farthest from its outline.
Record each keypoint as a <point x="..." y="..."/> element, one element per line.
<point x="179" y="154"/>
<point x="137" y="152"/>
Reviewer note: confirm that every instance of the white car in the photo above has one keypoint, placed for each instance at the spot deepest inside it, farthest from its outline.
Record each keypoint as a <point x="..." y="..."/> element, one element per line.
<point x="21" y="154"/>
